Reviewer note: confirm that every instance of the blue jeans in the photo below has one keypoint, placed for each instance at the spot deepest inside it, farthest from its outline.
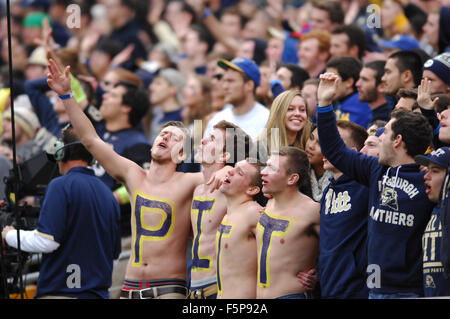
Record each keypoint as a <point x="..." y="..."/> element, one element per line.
<point x="374" y="295"/>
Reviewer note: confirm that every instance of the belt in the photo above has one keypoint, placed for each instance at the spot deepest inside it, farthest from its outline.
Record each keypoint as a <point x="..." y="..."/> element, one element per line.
<point x="203" y="293"/>
<point x="153" y="292"/>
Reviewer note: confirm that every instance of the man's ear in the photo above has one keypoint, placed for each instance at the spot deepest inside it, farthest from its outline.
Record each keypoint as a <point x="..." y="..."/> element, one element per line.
<point x="354" y="50"/>
<point x="381" y="87"/>
<point x="407" y="76"/>
<point x="253" y="190"/>
<point x="126" y="108"/>
<point x="349" y="83"/>
<point x="398" y="140"/>
<point x="225" y="157"/>
<point x="293" y="179"/>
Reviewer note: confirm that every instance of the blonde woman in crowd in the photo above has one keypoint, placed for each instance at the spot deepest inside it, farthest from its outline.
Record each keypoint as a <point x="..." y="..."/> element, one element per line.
<point x="289" y="114"/>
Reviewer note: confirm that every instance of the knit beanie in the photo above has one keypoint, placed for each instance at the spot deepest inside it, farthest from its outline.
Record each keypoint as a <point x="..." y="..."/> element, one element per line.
<point x="440" y="65"/>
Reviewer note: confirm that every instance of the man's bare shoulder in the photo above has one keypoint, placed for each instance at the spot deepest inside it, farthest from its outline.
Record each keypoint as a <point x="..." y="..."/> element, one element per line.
<point x="194" y="179"/>
<point x="308" y="205"/>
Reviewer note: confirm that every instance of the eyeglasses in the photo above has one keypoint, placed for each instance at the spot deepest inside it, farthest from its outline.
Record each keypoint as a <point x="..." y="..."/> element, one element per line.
<point x="218" y="76"/>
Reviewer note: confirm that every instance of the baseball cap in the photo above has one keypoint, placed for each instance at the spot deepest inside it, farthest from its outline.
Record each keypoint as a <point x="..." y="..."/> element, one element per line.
<point x="440" y="65"/>
<point x="401" y="41"/>
<point x="243" y="65"/>
<point x="441" y="157"/>
<point x="34" y="19"/>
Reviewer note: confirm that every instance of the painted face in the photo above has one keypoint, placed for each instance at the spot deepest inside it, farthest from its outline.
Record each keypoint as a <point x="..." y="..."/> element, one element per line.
<point x="296" y="115"/>
<point x="433" y="180"/>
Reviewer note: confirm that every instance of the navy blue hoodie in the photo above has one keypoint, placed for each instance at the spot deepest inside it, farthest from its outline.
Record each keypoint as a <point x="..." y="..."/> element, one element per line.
<point x="399" y="211"/>
<point x="343" y="239"/>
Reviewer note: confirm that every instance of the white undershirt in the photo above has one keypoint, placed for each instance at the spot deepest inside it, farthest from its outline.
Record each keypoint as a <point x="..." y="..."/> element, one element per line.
<point x="31" y="241"/>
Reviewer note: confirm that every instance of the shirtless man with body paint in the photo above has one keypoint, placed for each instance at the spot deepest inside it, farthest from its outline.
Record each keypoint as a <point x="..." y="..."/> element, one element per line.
<point x="287" y="233"/>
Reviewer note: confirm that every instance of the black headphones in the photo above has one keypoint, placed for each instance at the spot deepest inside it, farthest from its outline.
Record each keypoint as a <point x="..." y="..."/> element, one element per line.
<point x="58" y="149"/>
<point x="60" y="154"/>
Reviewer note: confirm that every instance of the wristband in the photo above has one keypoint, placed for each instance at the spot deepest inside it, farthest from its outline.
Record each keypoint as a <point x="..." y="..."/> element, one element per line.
<point x="324" y="109"/>
<point x="66" y="96"/>
<point x="122" y="194"/>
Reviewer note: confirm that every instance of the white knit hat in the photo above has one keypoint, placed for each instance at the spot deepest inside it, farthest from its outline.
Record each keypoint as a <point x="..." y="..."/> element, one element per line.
<point x="25" y="118"/>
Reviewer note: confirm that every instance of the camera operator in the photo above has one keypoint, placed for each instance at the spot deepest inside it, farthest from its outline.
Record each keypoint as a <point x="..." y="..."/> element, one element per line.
<point x="78" y="230"/>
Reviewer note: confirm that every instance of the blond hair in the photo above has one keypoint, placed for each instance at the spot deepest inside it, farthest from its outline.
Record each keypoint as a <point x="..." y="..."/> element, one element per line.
<point x="277" y="117"/>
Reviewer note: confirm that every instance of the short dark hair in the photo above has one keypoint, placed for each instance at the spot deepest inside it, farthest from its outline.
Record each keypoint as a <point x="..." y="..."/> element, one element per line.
<point x="298" y="163"/>
<point x="257" y="181"/>
<point x="415" y="130"/>
<point x="358" y="134"/>
<point x="409" y="60"/>
<point x="443" y="102"/>
<point x="299" y="75"/>
<point x="333" y="8"/>
<point x="75" y="151"/>
<point x="203" y="35"/>
<point x="109" y="46"/>
<point x="137" y="98"/>
<point x="347" y="67"/>
<point x="234" y="135"/>
<point x="378" y="67"/>
<point x="356" y="36"/>
<point x="406" y="93"/>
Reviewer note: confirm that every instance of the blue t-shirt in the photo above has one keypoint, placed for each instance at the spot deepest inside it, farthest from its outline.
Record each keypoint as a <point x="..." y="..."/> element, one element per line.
<point x="352" y="109"/>
<point x="82" y="215"/>
<point x="343" y="240"/>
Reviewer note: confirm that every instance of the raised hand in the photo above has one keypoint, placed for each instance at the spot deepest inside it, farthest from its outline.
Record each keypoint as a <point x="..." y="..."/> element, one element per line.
<point x="58" y="82"/>
<point x="327" y="88"/>
<point x="424" y="95"/>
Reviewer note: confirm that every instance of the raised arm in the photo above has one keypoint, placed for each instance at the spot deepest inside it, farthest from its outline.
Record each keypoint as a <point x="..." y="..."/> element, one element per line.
<point x="353" y="164"/>
<point x="117" y="166"/>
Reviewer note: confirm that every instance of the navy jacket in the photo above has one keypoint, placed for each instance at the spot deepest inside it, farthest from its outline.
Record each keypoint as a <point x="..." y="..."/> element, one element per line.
<point x="343" y="239"/>
<point x="444" y="217"/>
<point x="399" y="210"/>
